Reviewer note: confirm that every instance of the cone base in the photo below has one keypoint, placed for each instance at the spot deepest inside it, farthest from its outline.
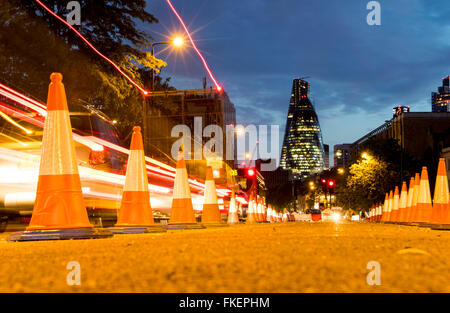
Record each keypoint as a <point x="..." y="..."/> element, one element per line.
<point x="137" y="230"/>
<point x="60" y="234"/>
<point x="210" y="224"/>
<point x="184" y="226"/>
<point x="440" y="227"/>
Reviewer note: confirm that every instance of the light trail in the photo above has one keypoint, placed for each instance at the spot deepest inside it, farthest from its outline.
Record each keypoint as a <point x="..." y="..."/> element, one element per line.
<point x="219" y="88"/>
<point x="145" y="92"/>
<point x="94" y="143"/>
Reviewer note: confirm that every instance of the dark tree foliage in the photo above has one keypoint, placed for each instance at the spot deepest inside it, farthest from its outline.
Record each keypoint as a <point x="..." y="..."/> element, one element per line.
<point x="366" y="182"/>
<point x="34" y="44"/>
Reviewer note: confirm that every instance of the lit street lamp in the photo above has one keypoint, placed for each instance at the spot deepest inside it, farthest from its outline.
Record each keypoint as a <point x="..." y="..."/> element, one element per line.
<point x="176" y="42"/>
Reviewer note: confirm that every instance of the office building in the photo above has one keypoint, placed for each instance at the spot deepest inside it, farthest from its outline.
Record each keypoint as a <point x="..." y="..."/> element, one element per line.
<point x="302" y="151"/>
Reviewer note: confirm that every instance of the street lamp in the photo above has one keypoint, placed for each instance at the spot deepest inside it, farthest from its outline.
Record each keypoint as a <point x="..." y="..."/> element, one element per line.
<point x="365" y="156"/>
<point x="176" y="42"/>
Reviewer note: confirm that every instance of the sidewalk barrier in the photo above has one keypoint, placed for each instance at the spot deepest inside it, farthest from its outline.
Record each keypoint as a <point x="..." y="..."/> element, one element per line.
<point x="59" y="211"/>
<point x="135" y="214"/>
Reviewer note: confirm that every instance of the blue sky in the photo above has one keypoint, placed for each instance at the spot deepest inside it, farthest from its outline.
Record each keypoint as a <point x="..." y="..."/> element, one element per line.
<point x="357" y="72"/>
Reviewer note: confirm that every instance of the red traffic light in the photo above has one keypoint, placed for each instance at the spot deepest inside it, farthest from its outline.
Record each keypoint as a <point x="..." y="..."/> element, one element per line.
<point x="331" y="183"/>
<point x="324" y="181"/>
<point x="250" y="172"/>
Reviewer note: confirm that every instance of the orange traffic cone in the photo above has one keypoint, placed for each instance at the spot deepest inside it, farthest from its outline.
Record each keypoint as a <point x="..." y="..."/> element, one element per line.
<point x="409" y="200"/>
<point x="380" y="212"/>
<point x="413" y="212"/>
<point x="182" y="215"/>
<point x="441" y="206"/>
<point x="251" y="218"/>
<point x="424" y="206"/>
<point x="257" y="211"/>
<point x="211" y="213"/>
<point x="395" y="205"/>
<point x="402" y="203"/>
<point x="389" y="206"/>
<point x="385" y="205"/>
<point x="135" y="214"/>
<point x="59" y="211"/>
<point x="233" y="217"/>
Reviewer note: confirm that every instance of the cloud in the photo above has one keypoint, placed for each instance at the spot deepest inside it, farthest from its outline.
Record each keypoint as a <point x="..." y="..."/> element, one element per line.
<point x="357" y="72"/>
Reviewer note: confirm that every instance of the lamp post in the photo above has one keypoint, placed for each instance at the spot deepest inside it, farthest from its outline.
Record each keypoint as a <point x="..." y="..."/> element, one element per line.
<point x="177" y="42"/>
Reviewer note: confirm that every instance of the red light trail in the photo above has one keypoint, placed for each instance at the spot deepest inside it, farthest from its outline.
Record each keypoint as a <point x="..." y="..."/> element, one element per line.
<point x="194" y="46"/>
<point x="145" y="92"/>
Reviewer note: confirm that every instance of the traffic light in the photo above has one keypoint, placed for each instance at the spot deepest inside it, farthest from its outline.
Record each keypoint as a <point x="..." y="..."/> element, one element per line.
<point x="331" y="183"/>
<point x="250" y="172"/>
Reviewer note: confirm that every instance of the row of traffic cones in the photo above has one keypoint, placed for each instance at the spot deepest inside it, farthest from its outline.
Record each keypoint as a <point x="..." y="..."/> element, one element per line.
<point x="59" y="210"/>
<point x="414" y="206"/>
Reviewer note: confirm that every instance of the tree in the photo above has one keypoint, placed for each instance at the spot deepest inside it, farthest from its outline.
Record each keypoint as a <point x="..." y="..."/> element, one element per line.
<point x="34" y="44"/>
<point x="369" y="178"/>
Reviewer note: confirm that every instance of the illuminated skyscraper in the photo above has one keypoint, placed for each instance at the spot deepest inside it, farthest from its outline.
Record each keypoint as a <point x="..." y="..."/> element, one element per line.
<point x="302" y="150"/>
<point x="440" y="101"/>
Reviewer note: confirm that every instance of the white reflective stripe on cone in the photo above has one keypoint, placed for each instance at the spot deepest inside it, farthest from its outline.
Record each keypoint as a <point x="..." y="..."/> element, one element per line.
<point x="210" y="192"/>
<point x="58" y="151"/>
<point x="136" y="177"/>
<point x="232" y="206"/>
<point x="424" y="192"/>
<point x="181" y="188"/>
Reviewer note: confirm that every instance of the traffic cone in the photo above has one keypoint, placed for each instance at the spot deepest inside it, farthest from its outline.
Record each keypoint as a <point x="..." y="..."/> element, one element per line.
<point x="257" y="211"/>
<point x="59" y="211"/>
<point x="440" y="217"/>
<point x="409" y="200"/>
<point x="251" y="211"/>
<point x="402" y="203"/>
<point x="211" y="214"/>
<point x="389" y="207"/>
<point x="413" y="212"/>
<point x="385" y="205"/>
<point x="269" y="214"/>
<point x="424" y="206"/>
<point x="135" y="214"/>
<point x="182" y="215"/>
<point x="395" y="206"/>
<point x="233" y="217"/>
<point x="380" y="212"/>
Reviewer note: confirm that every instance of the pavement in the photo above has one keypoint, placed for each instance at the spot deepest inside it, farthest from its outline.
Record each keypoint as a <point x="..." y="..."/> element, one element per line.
<point x="281" y="257"/>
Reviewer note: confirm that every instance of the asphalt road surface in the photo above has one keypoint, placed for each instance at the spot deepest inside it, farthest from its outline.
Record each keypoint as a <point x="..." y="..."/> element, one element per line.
<point x="288" y="257"/>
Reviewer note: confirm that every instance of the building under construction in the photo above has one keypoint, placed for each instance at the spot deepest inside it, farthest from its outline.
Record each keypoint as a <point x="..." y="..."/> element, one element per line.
<point x="167" y="109"/>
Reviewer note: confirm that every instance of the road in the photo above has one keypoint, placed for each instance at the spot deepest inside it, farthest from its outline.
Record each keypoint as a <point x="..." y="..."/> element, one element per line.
<point x="289" y="257"/>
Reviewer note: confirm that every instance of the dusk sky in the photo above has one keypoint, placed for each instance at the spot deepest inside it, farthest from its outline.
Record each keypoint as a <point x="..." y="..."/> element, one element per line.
<point x="357" y="72"/>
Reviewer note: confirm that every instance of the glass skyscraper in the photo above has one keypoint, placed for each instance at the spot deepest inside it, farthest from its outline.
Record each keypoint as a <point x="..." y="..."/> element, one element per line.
<point x="302" y="150"/>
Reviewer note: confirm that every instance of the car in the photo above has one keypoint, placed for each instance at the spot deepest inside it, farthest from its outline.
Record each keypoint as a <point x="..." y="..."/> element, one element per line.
<point x="316" y="214"/>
